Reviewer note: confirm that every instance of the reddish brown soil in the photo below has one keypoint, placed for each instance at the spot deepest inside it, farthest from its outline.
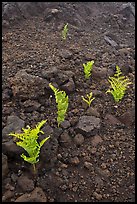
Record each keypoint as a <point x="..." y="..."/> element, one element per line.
<point x="36" y="44"/>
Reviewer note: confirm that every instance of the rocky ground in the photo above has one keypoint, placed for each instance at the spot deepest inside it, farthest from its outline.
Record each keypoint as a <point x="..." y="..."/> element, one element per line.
<point x="91" y="156"/>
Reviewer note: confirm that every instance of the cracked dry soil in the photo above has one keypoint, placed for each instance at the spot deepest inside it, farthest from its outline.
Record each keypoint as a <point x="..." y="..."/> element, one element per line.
<point x="74" y="166"/>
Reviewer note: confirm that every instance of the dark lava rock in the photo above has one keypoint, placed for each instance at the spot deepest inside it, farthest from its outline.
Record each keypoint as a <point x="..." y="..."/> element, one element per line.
<point x="4" y="165"/>
<point x="88" y="165"/>
<point x="128" y="118"/>
<point x="110" y="41"/>
<point x="65" y="124"/>
<point x="7" y="195"/>
<point x="25" y="183"/>
<point x="100" y="73"/>
<point x="88" y="125"/>
<point x="31" y="106"/>
<point x="111" y="120"/>
<point x="50" y="73"/>
<point x="93" y="111"/>
<point x="6" y="94"/>
<point x="14" y="124"/>
<point x="66" y="54"/>
<point x="11" y="149"/>
<point x="96" y="140"/>
<point x="49" y="150"/>
<point x="51" y="14"/>
<point x="64" y="77"/>
<point x="74" y="160"/>
<point x="127" y="9"/>
<point x="27" y="86"/>
<point x="65" y="139"/>
<point x="37" y="195"/>
<point x="69" y="87"/>
<point x="79" y="139"/>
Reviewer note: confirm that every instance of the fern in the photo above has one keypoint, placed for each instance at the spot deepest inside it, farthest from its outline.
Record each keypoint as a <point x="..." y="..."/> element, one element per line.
<point x="89" y="100"/>
<point x="64" y="32"/>
<point x="62" y="103"/>
<point x="118" y="84"/>
<point x="88" y="68"/>
<point x="28" y="141"/>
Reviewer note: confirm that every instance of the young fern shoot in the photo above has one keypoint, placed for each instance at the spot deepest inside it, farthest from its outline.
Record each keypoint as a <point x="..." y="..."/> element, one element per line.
<point x="118" y="84"/>
<point x="62" y="103"/>
<point x="88" y="68"/>
<point x="28" y="141"/>
<point x="89" y="98"/>
<point x="65" y="32"/>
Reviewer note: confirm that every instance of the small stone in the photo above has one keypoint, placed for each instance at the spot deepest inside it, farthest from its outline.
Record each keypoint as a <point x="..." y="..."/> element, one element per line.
<point x="103" y="166"/>
<point x="93" y="111"/>
<point x="59" y="156"/>
<point x="14" y="124"/>
<point x="74" y="160"/>
<point x="97" y="93"/>
<point x="63" y="187"/>
<point x="88" y="125"/>
<point x="63" y="165"/>
<point x="37" y="195"/>
<point x="14" y="177"/>
<point x="93" y="150"/>
<point x="25" y="183"/>
<point x="112" y="120"/>
<point x="31" y="106"/>
<point x="65" y="54"/>
<point x="98" y="182"/>
<point x="96" y="140"/>
<point x="74" y="188"/>
<point x="79" y="139"/>
<point x="110" y="41"/>
<point x="128" y="118"/>
<point x="11" y="149"/>
<point x="9" y="187"/>
<point x="103" y="172"/>
<point x="73" y="121"/>
<point x="65" y="124"/>
<point x="7" y="195"/>
<point x="99" y="73"/>
<point x="69" y="87"/>
<point x="88" y="165"/>
<point x="126" y="9"/>
<point x="50" y="73"/>
<point x="97" y="195"/>
<point x="65" y="139"/>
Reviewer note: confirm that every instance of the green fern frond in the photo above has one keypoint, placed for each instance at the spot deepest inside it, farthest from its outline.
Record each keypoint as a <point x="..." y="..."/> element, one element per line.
<point x="28" y="141"/>
<point x="88" y="68"/>
<point x="89" y="98"/>
<point x="65" y="32"/>
<point x="62" y="103"/>
<point x="118" y="84"/>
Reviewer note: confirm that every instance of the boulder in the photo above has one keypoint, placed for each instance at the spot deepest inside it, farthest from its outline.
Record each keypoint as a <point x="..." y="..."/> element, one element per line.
<point x="27" y="86"/>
